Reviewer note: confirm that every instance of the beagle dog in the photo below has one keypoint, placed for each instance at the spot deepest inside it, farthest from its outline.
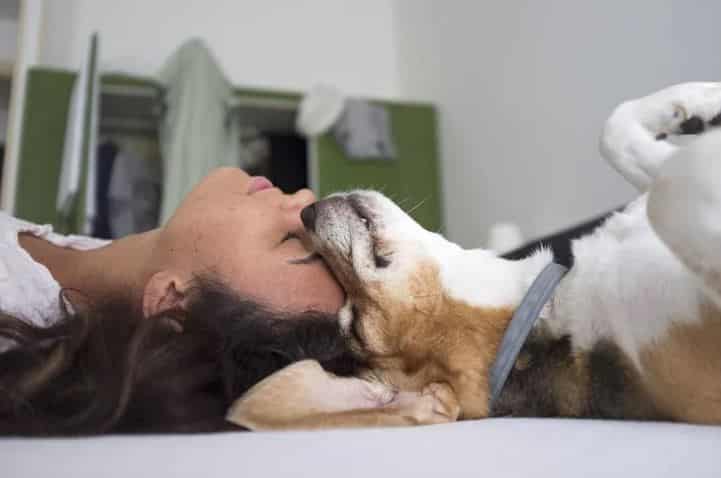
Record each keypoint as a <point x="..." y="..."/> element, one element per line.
<point x="632" y="331"/>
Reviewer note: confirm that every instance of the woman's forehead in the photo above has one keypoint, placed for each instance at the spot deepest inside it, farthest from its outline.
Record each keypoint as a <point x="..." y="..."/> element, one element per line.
<point x="300" y="287"/>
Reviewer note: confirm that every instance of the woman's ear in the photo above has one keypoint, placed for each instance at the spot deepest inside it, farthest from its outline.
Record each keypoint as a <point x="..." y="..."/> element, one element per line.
<point x="164" y="291"/>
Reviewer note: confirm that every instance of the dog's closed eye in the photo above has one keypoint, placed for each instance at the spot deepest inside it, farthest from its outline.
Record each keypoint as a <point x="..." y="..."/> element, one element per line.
<point x="365" y="215"/>
<point x="380" y="261"/>
<point x="356" y="327"/>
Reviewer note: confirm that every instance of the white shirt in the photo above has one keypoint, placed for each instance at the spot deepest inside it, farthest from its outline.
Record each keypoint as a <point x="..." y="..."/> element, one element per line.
<point x="27" y="289"/>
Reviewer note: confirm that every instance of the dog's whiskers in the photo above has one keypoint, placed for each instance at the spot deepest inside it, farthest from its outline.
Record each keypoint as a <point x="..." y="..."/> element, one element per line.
<point x="400" y="202"/>
<point x="423" y="201"/>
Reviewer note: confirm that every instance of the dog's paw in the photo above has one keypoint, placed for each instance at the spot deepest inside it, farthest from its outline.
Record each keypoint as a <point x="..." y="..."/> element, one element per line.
<point x="425" y="410"/>
<point x="641" y="134"/>
<point x="435" y="404"/>
<point x="446" y="403"/>
<point x="695" y="108"/>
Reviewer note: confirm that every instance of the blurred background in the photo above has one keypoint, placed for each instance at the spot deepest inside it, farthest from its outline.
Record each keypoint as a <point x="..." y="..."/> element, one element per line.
<point x="480" y="117"/>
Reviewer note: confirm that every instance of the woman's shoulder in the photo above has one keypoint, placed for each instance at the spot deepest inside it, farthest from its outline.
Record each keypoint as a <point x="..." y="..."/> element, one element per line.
<point x="28" y="290"/>
<point x="11" y="226"/>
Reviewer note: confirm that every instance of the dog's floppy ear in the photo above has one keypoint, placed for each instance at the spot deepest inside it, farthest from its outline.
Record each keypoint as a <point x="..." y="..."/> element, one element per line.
<point x="304" y="396"/>
<point x="303" y="389"/>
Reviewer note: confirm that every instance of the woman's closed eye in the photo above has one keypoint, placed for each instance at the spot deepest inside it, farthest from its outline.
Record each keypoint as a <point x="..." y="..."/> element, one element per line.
<point x="289" y="236"/>
<point x="306" y="259"/>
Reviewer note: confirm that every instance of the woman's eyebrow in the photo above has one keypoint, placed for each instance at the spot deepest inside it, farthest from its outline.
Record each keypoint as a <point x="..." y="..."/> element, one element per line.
<point x="312" y="257"/>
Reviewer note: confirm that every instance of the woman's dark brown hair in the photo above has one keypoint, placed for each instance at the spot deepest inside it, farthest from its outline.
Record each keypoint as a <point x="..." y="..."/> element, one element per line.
<point x="109" y="370"/>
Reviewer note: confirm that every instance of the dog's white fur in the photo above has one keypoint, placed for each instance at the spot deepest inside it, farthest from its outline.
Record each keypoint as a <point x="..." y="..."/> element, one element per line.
<point x="650" y="267"/>
<point x="629" y="281"/>
<point x="646" y="268"/>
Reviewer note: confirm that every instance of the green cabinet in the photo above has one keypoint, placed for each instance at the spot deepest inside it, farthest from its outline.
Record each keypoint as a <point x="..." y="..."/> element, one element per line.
<point x="412" y="178"/>
<point x="41" y="145"/>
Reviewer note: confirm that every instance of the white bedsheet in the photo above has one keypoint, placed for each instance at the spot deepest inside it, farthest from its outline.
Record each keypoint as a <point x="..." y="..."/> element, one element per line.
<point x="487" y="448"/>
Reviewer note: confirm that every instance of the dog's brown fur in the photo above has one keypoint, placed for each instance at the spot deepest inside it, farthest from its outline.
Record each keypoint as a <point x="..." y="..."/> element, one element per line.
<point x="431" y="339"/>
<point x="683" y="371"/>
<point x="442" y="349"/>
<point x="433" y="345"/>
<point x="438" y="350"/>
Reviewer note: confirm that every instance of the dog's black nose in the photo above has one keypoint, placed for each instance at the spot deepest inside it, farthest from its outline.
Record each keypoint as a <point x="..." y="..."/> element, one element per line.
<point x="308" y="215"/>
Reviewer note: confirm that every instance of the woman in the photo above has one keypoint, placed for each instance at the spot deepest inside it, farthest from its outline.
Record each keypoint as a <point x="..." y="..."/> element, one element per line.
<point x="161" y="331"/>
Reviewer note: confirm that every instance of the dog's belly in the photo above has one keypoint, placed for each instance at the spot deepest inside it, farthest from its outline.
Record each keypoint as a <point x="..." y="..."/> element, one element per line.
<point x="626" y="286"/>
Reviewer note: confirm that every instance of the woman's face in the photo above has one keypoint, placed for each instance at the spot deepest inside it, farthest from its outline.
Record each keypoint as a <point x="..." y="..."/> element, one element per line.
<point x="249" y="234"/>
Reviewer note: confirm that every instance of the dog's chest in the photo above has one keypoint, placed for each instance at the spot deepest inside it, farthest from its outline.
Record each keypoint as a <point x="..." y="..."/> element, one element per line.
<point x="625" y="286"/>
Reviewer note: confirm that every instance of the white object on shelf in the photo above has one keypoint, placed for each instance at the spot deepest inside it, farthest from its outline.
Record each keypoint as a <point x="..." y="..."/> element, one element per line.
<point x="504" y="237"/>
<point x="319" y="110"/>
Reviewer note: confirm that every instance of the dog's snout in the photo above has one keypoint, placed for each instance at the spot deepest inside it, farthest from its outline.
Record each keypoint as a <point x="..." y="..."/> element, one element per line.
<point x="318" y="211"/>
<point x="308" y="216"/>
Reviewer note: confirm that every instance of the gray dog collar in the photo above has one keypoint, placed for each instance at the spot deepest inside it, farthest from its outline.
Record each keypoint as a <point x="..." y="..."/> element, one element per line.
<point x="520" y="326"/>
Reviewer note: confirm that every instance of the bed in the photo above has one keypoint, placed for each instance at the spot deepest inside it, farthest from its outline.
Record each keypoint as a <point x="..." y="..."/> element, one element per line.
<point x="508" y="447"/>
<point x="503" y="447"/>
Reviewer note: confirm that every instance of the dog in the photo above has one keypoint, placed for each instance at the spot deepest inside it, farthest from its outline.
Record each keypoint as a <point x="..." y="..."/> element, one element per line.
<point x="632" y="331"/>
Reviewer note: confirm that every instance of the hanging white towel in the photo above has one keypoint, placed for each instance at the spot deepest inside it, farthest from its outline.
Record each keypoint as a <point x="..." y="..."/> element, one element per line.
<point x="133" y="194"/>
<point x="197" y="134"/>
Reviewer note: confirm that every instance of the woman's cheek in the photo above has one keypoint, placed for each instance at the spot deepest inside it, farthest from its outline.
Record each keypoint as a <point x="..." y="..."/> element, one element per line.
<point x="328" y="292"/>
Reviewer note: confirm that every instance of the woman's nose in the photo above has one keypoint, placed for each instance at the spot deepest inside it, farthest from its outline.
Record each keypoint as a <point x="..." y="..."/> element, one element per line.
<point x="299" y="199"/>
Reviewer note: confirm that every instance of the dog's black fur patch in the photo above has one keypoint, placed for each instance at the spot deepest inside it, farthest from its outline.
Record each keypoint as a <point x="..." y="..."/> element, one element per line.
<point x="552" y="380"/>
<point x="693" y="125"/>
<point x="716" y="120"/>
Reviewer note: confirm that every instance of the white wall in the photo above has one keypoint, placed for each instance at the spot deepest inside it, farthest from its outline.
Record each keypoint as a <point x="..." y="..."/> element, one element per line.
<point x="8" y="51"/>
<point x="523" y="88"/>
<point x="8" y="39"/>
<point x="287" y="44"/>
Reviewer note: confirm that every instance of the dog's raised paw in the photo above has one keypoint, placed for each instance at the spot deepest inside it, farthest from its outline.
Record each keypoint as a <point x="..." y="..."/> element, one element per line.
<point x="701" y="104"/>
<point x="641" y="134"/>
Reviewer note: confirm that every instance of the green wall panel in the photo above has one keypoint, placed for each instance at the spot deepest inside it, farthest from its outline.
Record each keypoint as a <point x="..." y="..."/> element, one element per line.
<point x="412" y="178"/>
<point x="41" y="145"/>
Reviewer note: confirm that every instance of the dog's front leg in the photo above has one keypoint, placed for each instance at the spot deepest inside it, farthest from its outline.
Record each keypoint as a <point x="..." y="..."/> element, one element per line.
<point x="683" y="366"/>
<point x="434" y="405"/>
<point x="304" y="396"/>
<point x="684" y="208"/>
<point x="639" y="136"/>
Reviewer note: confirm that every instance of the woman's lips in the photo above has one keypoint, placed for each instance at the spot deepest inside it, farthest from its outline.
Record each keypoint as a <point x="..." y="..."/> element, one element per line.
<point x="258" y="183"/>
